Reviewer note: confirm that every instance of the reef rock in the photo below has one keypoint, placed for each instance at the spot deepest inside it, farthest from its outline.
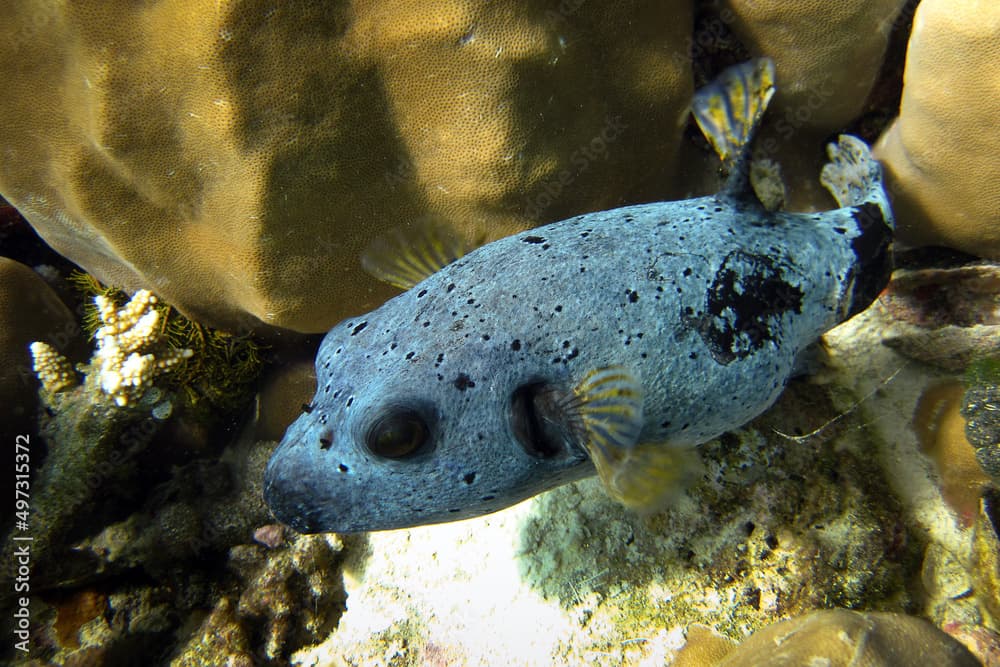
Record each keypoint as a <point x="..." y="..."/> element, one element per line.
<point x="236" y="157"/>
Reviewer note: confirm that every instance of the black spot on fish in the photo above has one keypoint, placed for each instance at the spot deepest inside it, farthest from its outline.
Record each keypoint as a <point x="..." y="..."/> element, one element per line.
<point x="533" y="239"/>
<point x="558" y="309"/>
<point x="451" y="287"/>
<point x="463" y="382"/>
<point x="546" y="246"/>
<point x="358" y="329"/>
<point x="350" y="401"/>
<point x="426" y="323"/>
<point x="687" y="272"/>
<point x="325" y="443"/>
<point x="486" y="336"/>
<point x="421" y="293"/>
<point x="306" y="408"/>
<point x="487" y="497"/>
<point x="342" y="468"/>
<point x="471" y="301"/>
<point x="469" y="477"/>
<point x="409" y="355"/>
<point x="744" y="305"/>
<point x="632" y="295"/>
<point x="516" y="345"/>
<point x="665" y="424"/>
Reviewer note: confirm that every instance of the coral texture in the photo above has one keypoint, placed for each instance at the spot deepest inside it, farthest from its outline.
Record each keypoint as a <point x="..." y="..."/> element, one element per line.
<point x="827" y="57"/>
<point x="827" y="54"/>
<point x="940" y="157"/>
<point x="236" y="157"/>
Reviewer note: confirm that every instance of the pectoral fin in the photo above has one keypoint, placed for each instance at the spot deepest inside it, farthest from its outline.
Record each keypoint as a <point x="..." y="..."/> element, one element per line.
<point x="607" y="406"/>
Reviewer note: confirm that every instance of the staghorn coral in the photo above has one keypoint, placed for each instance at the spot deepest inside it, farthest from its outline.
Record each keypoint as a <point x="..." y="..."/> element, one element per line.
<point x="54" y="371"/>
<point x="940" y="159"/>
<point x="236" y="157"/>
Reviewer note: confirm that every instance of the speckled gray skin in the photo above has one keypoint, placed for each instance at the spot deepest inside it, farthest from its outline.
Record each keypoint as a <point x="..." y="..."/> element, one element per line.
<point x="706" y="301"/>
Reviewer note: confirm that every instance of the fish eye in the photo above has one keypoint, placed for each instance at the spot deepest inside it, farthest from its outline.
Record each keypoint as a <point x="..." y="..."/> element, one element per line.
<point x="535" y="420"/>
<point x="397" y="434"/>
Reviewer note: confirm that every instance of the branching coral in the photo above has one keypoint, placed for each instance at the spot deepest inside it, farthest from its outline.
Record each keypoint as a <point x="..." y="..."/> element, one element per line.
<point x="218" y="373"/>
<point x="125" y="372"/>
<point x="128" y="355"/>
<point x="54" y="371"/>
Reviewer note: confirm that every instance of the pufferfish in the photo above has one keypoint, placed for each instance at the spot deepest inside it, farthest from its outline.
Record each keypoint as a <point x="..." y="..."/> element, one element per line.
<point x="613" y="341"/>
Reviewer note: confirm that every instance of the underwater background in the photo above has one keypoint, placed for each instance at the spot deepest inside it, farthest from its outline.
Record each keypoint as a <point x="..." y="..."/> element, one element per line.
<point x="188" y="191"/>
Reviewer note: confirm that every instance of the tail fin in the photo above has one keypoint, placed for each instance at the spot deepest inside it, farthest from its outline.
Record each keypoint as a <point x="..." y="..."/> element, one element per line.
<point x="728" y="111"/>
<point x="854" y="177"/>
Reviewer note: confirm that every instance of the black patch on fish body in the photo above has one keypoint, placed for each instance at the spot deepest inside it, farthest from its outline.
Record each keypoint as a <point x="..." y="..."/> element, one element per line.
<point x="744" y="305"/>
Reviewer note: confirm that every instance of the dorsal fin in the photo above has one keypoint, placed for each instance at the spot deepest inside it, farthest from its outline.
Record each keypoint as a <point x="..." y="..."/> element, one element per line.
<point x="406" y="255"/>
<point x="728" y="111"/>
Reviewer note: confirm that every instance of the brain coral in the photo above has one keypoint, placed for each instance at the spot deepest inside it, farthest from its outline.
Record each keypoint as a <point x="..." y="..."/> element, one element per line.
<point x="941" y="154"/>
<point x="236" y="156"/>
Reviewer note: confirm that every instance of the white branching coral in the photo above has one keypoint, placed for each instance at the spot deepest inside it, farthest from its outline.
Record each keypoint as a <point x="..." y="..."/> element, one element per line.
<point x="53" y="370"/>
<point x="123" y="360"/>
<point x="127" y="358"/>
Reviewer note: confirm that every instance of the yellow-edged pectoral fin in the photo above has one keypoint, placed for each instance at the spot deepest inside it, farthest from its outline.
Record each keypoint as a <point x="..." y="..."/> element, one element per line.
<point x="646" y="477"/>
<point x="608" y="405"/>
<point x="408" y="254"/>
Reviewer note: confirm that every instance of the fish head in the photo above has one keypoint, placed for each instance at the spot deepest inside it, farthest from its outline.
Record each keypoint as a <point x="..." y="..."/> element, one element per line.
<point x="416" y="425"/>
